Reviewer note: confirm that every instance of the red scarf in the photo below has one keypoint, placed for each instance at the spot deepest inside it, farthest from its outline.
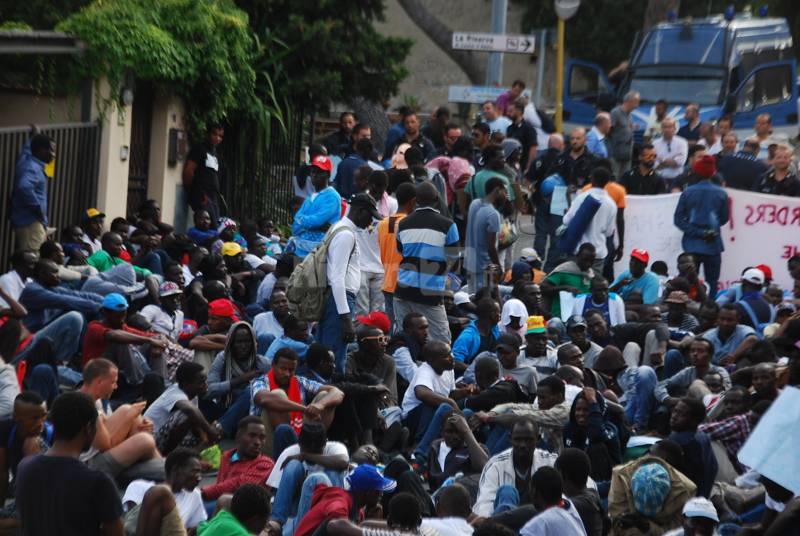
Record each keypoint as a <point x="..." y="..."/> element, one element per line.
<point x="295" y="417"/>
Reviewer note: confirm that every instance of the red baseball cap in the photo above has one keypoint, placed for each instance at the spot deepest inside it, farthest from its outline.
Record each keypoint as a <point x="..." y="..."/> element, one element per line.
<point x="376" y="319"/>
<point x="705" y="167"/>
<point x="766" y="270"/>
<point x="322" y="162"/>
<point x="223" y="308"/>
<point x="641" y="255"/>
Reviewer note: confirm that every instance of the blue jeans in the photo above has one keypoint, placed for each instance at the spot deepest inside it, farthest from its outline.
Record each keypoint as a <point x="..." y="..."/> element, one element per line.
<point x="42" y="380"/>
<point x="304" y="504"/>
<point x="292" y="482"/>
<point x="65" y="332"/>
<point x="711" y="267"/>
<point x="329" y="330"/>
<point x="151" y="261"/>
<point x="433" y="430"/>
<point x="239" y="409"/>
<point x="282" y="436"/>
<point x="388" y="298"/>
<point x="674" y="362"/>
<point x="507" y="498"/>
<point x="639" y="407"/>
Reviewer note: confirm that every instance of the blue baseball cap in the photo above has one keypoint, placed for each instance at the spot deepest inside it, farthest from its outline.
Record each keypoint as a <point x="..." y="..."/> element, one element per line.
<point x="367" y="478"/>
<point x="115" y="302"/>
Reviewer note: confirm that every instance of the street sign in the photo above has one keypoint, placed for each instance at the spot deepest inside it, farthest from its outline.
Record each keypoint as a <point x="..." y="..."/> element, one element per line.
<point x="477" y="94"/>
<point x="487" y="42"/>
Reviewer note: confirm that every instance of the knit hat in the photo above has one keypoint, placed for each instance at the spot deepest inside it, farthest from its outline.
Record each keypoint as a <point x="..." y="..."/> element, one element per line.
<point x="650" y="486"/>
<point x="609" y="360"/>
<point x="518" y="269"/>
<point x="706" y="167"/>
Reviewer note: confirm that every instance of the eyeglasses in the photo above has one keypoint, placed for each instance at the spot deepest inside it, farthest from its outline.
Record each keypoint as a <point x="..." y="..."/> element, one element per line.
<point x="383" y="339"/>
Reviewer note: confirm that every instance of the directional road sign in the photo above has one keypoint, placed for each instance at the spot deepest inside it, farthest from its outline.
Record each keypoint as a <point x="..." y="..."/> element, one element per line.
<point x="487" y="42"/>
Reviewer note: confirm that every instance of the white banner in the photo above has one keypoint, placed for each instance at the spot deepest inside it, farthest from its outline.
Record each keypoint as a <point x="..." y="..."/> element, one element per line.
<point x="763" y="229"/>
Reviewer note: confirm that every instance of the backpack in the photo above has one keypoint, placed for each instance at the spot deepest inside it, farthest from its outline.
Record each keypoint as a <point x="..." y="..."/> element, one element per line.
<point x="759" y="326"/>
<point x="309" y="282"/>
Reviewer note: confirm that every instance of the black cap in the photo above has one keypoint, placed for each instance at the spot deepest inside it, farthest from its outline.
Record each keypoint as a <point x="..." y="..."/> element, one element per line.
<point x="363" y="200"/>
<point x="511" y="341"/>
<point x="575" y="321"/>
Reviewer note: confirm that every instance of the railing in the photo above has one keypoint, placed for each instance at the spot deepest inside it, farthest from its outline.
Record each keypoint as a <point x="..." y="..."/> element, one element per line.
<point x="256" y="173"/>
<point x="72" y="190"/>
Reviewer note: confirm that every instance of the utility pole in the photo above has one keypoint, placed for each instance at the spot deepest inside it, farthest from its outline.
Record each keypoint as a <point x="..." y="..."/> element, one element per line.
<point x="494" y="67"/>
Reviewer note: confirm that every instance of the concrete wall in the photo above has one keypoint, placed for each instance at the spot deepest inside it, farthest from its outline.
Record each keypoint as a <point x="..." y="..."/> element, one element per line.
<point x="20" y="109"/>
<point x="112" y="192"/>
<point x="164" y="181"/>
<point x="432" y="71"/>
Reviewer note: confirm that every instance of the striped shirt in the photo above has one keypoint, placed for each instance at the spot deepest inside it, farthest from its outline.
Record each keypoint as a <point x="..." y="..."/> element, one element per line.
<point x="427" y="240"/>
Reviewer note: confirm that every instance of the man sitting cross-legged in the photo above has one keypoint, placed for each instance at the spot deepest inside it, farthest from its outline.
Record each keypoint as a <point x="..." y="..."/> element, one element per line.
<point x="123" y="437"/>
<point x="289" y="400"/>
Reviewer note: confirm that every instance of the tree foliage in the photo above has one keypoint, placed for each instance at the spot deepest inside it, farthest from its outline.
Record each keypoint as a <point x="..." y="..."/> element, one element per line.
<point x="202" y="51"/>
<point x="334" y="54"/>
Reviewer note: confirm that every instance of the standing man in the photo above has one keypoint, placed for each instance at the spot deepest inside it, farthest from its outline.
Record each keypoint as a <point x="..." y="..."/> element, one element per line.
<point x="496" y="120"/>
<point x="338" y="142"/>
<point x="427" y="241"/>
<point x="671" y="151"/>
<point x="523" y="132"/>
<point x="335" y="329"/>
<point x="604" y="222"/>
<point x="201" y="173"/>
<point x="691" y="130"/>
<point x="507" y="98"/>
<point x="413" y="137"/>
<point x="28" y="210"/>
<point x="709" y="138"/>
<point x="406" y="196"/>
<point x="643" y="179"/>
<point x="483" y="226"/>
<point x="781" y="180"/>
<point x="596" y="138"/>
<point x="702" y="210"/>
<point x="620" y="138"/>
<point x="318" y="212"/>
<point x="576" y="163"/>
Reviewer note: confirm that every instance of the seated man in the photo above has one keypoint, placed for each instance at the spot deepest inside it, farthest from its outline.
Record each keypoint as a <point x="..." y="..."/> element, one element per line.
<point x="249" y="513"/>
<point x="689" y="381"/>
<point x="633" y="386"/>
<point x="289" y="400"/>
<point x="169" y="507"/>
<point x="123" y="437"/>
<point x="556" y="515"/>
<point x="548" y="419"/>
<point x="269" y="325"/>
<point x="574" y="467"/>
<point x="46" y="301"/>
<point x="754" y="310"/>
<point x="479" y="336"/>
<point x="109" y="256"/>
<point x="128" y="348"/>
<point x="295" y="336"/>
<point x="243" y="464"/>
<point x="212" y="338"/>
<point x="245" y="278"/>
<point x="600" y="299"/>
<point x="699" y="462"/>
<point x="228" y="395"/>
<point x="406" y="346"/>
<point x="71" y="275"/>
<point x="431" y="395"/>
<point x="637" y="278"/>
<point x="167" y="317"/>
<point x="643" y="342"/>
<point x="733" y="430"/>
<point x="731" y="339"/>
<point x="538" y="353"/>
<point x="456" y="452"/>
<point x="510" y="366"/>
<point x="23" y="266"/>
<point x="176" y="419"/>
<point x="202" y="233"/>
<point x="576" y="331"/>
<point x="570" y="355"/>
<point x="505" y="480"/>
<point x="312" y="454"/>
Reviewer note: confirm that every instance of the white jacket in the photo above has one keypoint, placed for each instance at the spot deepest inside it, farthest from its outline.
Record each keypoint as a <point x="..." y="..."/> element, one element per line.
<point x="616" y="308"/>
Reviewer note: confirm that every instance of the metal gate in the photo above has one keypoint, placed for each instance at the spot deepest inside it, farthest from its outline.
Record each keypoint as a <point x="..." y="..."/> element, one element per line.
<point x="72" y="189"/>
<point x="139" y="164"/>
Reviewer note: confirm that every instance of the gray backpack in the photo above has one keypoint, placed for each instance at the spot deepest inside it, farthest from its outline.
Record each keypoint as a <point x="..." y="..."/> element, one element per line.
<point x="308" y="283"/>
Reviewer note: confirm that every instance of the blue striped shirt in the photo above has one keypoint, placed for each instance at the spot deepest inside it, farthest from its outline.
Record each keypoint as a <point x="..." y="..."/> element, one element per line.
<point x="427" y="240"/>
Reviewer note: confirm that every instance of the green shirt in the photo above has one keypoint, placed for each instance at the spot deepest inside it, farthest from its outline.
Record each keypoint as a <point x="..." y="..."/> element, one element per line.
<point x="103" y="261"/>
<point x="566" y="279"/>
<point x="222" y="524"/>
<point x="476" y="187"/>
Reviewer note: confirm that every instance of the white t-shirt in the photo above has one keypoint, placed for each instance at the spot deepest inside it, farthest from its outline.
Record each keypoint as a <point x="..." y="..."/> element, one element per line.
<point x="427" y="377"/>
<point x="332" y="448"/>
<point x="444" y="450"/>
<point x="13" y="284"/>
<point x="267" y="324"/>
<point x="555" y="521"/>
<point x="369" y="259"/>
<point x="162" y="322"/>
<point x="93" y="243"/>
<point x="448" y="526"/>
<point x="602" y="225"/>
<point x="190" y="503"/>
<point x="159" y="411"/>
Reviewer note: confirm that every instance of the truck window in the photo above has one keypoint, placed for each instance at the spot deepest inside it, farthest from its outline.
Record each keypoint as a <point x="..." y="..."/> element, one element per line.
<point x="584" y="83"/>
<point x="695" y="45"/>
<point x="768" y="86"/>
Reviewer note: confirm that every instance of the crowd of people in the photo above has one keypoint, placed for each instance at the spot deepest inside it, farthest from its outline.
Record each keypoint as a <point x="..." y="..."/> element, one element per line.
<point x="399" y="364"/>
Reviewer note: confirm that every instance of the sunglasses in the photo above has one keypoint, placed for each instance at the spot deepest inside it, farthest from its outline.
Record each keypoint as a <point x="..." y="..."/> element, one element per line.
<point x="383" y="339"/>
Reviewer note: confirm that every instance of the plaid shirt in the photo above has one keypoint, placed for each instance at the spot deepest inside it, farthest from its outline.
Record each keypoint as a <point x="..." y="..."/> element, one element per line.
<point x="731" y="432"/>
<point x="235" y="472"/>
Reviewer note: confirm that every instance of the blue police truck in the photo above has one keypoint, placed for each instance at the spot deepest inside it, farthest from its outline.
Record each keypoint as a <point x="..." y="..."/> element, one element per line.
<point x="732" y="65"/>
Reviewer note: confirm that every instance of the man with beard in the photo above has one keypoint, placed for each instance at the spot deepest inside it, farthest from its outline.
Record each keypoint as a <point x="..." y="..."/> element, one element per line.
<point x="643" y="179"/>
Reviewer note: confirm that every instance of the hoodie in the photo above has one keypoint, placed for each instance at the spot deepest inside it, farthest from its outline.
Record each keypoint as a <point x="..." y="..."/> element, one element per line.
<point x="599" y="439"/>
<point x="224" y="367"/>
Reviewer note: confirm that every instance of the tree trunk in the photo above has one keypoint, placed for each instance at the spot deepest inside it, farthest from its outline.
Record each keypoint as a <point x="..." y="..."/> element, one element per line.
<point x="442" y="36"/>
<point x="657" y="11"/>
<point x="373" y="114"/>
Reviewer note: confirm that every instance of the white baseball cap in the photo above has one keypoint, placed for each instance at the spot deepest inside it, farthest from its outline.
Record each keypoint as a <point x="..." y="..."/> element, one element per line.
<point x="529" y="255"/>
<point x="700" y="507"/>
<point x="753" y="275"/>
